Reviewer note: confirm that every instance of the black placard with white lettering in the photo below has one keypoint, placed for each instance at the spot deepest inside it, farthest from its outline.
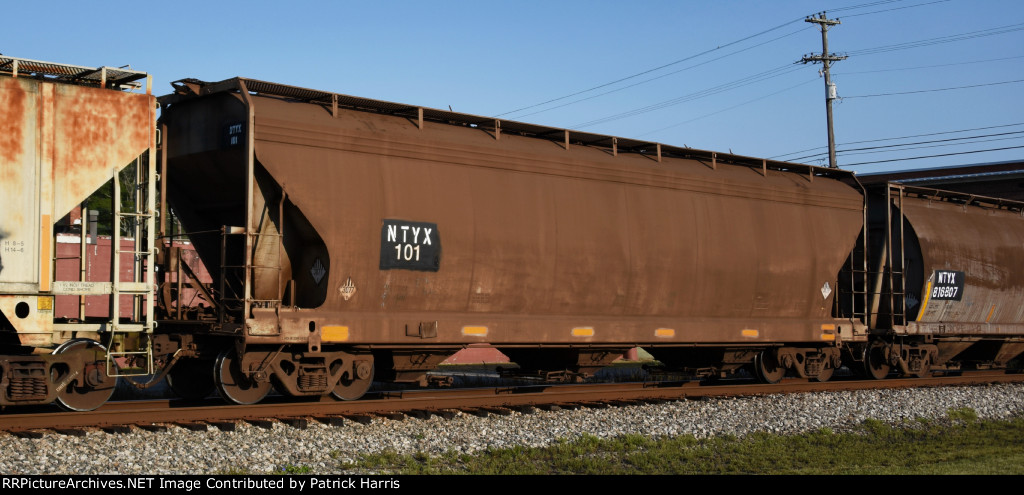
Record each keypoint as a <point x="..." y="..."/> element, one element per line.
<point x="410" y="246"/>
<point x="948" y="285"/>
<point x="235" y="134"/>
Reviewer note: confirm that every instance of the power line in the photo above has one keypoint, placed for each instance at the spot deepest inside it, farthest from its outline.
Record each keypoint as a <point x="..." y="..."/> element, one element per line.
<point x="970" y="62"/>
<point x="727" y="109"/>
<point x="934" y="156"/>
<point x="934" y="141"/>
<point x="705" y="52"/>
<point x="935" y="133"/>
<point x="848" y="153"/>
<point x="742" y="82"/>
<point x="935" y="90"/>
<point x="890" y="148"/>
<point x="850" y="73"/>
<point x="766" y="75"/>
<point x="771" y="73"/>
<point x="939" y="40"/>
<point x="895" y="8"/>
<point x="648" y="71"/>
<point x="666" y="103"/>
<point x="863" y="5"/>
<point x="658" y="77"/>
<point x="877" y="140"/>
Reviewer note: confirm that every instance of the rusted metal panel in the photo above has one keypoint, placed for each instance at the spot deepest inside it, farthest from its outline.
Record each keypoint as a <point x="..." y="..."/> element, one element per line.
<point x="58" y="144"/>
<point x="534" y="240"/>
<point x="20" y="222"/>
<point x="971" y="277"/>
<point x="96" y="131"/>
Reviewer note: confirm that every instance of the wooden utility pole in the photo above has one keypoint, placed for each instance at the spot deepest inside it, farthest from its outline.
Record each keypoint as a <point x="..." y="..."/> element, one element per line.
<point x="830" y="89"/>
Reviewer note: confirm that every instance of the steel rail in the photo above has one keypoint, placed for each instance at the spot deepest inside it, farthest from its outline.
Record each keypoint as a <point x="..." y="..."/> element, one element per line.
<point x="445" y="401"/>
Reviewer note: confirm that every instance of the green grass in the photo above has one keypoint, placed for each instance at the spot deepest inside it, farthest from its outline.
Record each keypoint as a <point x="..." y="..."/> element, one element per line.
<point x="960" y="445"/>
<point x="290" y="469"/>
<point x="963" y="415"/>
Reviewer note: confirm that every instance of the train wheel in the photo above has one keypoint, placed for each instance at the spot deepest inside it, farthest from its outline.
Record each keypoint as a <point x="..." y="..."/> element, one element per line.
<point x="234" y="385"/>
<point x="92" y="386"/>
<point x="192" y="379"/>
<point x="353" y="387"/>
<point x="876" y="363"/>
<point x="824" y="375"/>
<point x="767" y="367"/>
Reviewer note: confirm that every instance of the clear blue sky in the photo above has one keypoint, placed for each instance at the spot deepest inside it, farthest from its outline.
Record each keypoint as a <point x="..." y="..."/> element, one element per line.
<point x="491" y="58"/>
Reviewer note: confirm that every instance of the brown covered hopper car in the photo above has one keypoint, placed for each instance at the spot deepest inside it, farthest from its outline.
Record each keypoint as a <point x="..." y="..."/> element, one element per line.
<point x="391" y="236"/>
<point x="951" y="295"/>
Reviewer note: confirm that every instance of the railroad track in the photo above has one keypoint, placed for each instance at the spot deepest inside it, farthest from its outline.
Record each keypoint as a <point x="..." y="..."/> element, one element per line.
<point x="119" y="417"/>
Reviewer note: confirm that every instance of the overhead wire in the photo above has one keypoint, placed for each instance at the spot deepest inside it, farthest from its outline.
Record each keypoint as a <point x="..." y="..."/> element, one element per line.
<point x="894" y="8"/>
<point x="901" y="137"/>
<point x="932" y="156"/>
<point x="938" y="40"/>
<point x="648" y="71"/>
<point x="909" y="146"/>
<point x="750" y="80"/>
<point x="904" y="147"/>
<point x="661" y="76"/>
<point x="685" y="98"/>
<point x="762" y="76"/>
<point x="776" y="72"/>
<point x="705" y="52"/>
<point x="863" y="5"/>
<point x="941" y="145"/>
<point x="898" y="69"/>
<point x="727" y="109"/>
<point x="935" y="90"/>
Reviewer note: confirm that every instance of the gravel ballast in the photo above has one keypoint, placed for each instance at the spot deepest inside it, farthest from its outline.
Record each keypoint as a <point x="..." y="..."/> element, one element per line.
<point x="322" y="448"/>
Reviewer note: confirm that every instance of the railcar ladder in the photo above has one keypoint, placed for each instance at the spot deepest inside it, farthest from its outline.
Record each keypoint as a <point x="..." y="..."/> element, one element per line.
<point x="853" y="289"/>
<point x="140" y="220"/>
<point x="266" y="232"/>
<point x="897" y="260"/>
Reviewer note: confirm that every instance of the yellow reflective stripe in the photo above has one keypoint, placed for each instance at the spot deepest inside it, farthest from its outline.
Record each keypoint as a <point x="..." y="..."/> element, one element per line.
<point x="927" y="297"/>
<point x="476" y="331"/>
<point x="334" y="333"/>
